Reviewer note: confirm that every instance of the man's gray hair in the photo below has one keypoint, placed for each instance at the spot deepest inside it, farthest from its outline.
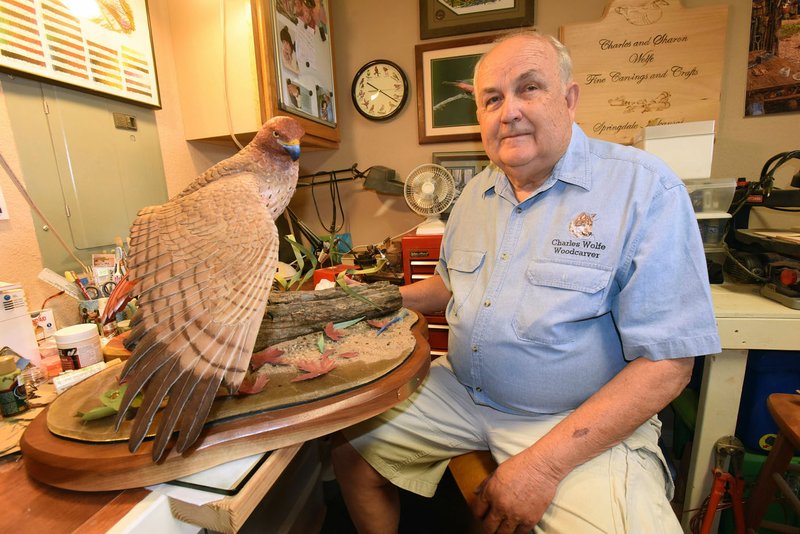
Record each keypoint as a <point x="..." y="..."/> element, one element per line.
<point x="562" y="52"/>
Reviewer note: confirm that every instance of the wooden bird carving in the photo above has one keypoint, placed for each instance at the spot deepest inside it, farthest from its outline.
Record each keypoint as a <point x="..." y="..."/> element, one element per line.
<point x="201" y="266"/>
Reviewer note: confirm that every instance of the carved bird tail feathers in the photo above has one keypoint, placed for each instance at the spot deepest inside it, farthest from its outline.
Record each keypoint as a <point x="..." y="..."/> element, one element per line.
<point x="203" y="264"/>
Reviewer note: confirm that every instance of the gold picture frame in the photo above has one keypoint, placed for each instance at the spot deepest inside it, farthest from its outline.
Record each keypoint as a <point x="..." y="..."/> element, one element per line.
<point x="103" y="51"/>
<point x="445" y="103"/>
<point x="443" y="18"/>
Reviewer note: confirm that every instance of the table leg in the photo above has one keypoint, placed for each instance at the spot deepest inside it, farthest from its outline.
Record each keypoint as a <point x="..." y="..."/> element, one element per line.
<point x="720" y="393"/>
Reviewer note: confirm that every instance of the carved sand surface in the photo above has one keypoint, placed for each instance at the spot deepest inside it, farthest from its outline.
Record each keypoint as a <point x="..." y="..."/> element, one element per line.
<point x="359" y="357"/>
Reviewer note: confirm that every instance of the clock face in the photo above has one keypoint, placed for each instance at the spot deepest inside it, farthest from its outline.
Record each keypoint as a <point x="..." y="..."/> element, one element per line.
<point x="380" y="89"/>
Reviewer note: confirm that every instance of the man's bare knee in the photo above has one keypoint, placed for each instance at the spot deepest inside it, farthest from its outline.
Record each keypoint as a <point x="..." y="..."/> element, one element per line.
<point x="350" y="466"/>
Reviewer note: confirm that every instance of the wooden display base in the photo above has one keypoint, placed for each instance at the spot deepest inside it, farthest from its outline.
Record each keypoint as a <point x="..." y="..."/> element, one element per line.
<point x="83" y="466"/>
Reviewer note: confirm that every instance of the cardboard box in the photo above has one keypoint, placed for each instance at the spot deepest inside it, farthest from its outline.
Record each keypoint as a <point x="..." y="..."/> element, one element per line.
<point x="687" y="147"/>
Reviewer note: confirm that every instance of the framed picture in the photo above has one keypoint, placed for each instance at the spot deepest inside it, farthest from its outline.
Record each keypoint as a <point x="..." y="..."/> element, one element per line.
<point x="441" y="18"/>
<point x="103" y="48"/>
<point x="462" y="165"/>
<point x="445" y="101"/>
<point x="773" y="63"/>
<point x="304" y="59"/>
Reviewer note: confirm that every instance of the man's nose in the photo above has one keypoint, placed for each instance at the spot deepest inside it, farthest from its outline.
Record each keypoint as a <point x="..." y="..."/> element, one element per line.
<point x="510" y="112"/>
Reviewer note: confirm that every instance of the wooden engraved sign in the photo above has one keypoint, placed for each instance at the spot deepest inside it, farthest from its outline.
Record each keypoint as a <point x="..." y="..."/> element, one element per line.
<point x="647" y="63"/>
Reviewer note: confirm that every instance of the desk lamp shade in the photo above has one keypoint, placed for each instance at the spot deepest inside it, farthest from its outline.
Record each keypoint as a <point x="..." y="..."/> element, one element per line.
<point x="383" y="180"/>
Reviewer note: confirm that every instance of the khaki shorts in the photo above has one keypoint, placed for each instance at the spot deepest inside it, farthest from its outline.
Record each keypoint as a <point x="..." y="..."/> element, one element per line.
<point x="625" y="489"/>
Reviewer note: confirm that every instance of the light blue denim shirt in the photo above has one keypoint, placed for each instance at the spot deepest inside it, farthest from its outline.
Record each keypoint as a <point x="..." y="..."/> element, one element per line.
<point x="554" y="295"/>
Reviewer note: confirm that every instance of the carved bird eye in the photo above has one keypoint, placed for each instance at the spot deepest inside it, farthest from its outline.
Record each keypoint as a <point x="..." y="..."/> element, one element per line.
<point x="275" y="134"/>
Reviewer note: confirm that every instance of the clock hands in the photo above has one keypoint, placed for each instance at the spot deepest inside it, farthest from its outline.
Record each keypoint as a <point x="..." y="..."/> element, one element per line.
<point x="383" y="93"/>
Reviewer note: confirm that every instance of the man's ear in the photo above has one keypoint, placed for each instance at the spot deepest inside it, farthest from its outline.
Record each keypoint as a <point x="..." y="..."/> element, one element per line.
<point x="571" y="95"/>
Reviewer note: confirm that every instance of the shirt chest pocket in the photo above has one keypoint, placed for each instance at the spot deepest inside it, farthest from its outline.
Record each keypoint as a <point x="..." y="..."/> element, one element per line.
<point x="463" y="268"/>
<point x="557" y="299"/>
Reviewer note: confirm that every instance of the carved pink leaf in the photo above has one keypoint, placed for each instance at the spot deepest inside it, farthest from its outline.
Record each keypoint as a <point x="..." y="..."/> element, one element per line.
<point x="250" y="386"/>
<point x="332" y="333"/>
<point x="268" y="355"/>
<point x="374" y="323"/>
<point x="349" y="354"/>
<point x="313" y="369"/>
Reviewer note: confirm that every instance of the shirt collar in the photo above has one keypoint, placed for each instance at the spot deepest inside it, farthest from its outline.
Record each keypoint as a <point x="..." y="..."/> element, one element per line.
<point x="572" y="168"/>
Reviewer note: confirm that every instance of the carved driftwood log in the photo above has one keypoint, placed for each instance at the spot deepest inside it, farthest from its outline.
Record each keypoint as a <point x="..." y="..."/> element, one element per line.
<point x="291" y="314"/>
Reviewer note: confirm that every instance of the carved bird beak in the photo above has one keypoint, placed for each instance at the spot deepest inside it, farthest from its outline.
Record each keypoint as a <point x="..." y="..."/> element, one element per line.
<point x="292" y="148"/>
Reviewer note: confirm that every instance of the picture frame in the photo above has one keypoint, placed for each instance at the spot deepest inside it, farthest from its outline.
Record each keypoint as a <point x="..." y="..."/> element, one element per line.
<point x="464" y="166"/>
<point x="303" y="58"/>
<point x="443" y="18"/>
<point x="102" y="51"/>
<point x="445" y="104"/>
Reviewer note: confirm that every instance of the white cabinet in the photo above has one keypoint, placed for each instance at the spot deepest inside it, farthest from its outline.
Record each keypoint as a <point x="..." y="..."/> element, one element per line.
<point x="229" y="76"/>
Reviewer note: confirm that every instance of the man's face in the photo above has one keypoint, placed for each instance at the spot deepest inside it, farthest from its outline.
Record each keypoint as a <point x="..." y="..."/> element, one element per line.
<point x="525" y="113"/>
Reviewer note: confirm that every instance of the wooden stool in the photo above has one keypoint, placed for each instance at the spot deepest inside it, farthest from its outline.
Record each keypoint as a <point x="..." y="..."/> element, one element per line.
<point x="785" y="411"/>
<point x="469" y="470"/>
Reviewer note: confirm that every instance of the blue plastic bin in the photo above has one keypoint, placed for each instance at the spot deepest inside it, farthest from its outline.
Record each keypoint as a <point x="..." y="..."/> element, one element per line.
<point x="768" y="371"/>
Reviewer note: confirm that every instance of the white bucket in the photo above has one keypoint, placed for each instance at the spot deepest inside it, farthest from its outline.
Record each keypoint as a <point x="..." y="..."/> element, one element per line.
<point x="78" y="346"/>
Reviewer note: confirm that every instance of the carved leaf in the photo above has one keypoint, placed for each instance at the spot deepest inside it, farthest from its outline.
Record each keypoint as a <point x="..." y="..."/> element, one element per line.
<point x="251" y="385"/>
<point x="313" y="369"/>
<point x="269" y="355"/>
<point x="332" y="333"/>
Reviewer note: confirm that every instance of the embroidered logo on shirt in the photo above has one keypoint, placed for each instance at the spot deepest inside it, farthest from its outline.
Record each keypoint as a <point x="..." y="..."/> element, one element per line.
<point x="581" y="226"/>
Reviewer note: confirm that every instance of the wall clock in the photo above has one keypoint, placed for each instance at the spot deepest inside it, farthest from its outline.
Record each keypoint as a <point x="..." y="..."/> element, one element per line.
<point x="380" y="90"/>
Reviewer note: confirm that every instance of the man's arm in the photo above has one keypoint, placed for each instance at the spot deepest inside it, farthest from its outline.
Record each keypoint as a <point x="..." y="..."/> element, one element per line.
<point x="426" y="296"/>
<point x="520" y="490"/>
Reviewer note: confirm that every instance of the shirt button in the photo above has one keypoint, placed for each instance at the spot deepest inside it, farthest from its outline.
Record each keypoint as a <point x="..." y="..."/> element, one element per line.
<point x="478" y="390"/>
<point x="474" y="348"/>
<point x="504" y="256"/>
<point x="487" y="303"/>
<point x="519" y="210"/>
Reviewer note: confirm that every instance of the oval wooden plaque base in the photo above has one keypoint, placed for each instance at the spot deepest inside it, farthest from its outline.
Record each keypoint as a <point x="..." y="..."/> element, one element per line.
<point x="83" y="466"/>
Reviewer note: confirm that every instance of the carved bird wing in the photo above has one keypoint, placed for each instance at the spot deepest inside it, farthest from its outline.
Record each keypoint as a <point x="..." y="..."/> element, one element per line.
<point x="202" y="265"/>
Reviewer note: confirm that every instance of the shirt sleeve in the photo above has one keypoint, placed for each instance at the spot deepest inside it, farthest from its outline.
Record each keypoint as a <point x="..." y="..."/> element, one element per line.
<point x="664" y="308"/>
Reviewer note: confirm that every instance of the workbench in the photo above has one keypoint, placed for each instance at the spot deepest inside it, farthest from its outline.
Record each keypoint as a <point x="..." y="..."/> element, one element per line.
<point x="746" y="320"/>
<point x="35" y="507"/>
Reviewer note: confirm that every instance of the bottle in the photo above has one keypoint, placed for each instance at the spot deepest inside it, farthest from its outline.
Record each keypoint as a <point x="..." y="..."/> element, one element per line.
<point x="13" y="396"/>
<point x="120" y="259"/>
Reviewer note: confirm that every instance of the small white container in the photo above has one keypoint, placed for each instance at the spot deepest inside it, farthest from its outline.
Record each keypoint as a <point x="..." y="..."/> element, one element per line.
<point x="78" y="346"/>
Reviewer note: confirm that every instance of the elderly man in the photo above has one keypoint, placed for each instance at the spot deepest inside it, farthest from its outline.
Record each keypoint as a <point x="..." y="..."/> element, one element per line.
<point x="577" y="296"/>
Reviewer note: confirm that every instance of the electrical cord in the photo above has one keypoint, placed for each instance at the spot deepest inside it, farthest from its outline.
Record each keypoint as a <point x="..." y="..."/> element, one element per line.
<point x="228" y="117"/>
<point x="24" y="192"/>
<point x="767" y="178"/>
<point x="336" y="199"/>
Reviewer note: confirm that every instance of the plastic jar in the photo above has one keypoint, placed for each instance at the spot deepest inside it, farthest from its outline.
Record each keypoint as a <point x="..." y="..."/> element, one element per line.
<point x="13" y="396"/>
<point x="78" y="346"/>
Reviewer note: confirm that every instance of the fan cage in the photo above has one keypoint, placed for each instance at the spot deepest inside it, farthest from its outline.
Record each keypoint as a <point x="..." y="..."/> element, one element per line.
<point x="429" y="189"/>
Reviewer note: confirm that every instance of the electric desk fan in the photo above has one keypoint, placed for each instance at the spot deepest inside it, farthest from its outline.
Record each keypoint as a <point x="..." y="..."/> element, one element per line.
<point x="429" y="190"/>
